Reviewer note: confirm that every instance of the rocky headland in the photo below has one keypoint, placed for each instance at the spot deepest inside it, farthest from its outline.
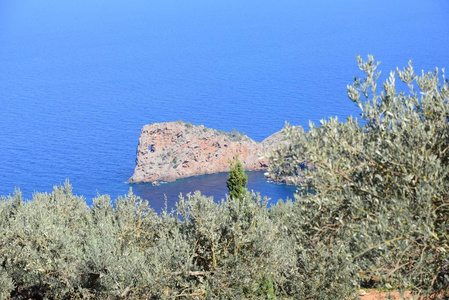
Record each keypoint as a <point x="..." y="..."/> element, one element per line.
<point x="173" y="150"/>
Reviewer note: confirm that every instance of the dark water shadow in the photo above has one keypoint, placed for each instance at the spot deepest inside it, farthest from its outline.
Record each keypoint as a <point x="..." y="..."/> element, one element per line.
<point x="210" y="185"/>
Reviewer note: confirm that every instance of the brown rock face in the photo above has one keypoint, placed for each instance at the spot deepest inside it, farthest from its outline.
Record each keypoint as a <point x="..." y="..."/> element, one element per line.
<point x="174" y="150"/>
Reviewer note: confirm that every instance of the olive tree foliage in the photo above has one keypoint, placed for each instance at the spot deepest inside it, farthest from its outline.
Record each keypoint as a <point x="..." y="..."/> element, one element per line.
<point x="54" y="246"/>
<point x="380" y="186"/>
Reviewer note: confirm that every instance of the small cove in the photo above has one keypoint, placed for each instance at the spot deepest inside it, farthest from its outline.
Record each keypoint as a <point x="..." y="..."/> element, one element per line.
<point x="210" y="185"/>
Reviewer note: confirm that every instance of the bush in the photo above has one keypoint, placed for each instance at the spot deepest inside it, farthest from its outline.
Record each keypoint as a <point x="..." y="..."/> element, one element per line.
<point x="381" y="187"/>
<point x="56" y="247"/>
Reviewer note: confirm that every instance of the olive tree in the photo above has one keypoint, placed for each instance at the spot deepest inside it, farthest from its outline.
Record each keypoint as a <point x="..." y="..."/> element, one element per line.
<point x="380" y="185"/>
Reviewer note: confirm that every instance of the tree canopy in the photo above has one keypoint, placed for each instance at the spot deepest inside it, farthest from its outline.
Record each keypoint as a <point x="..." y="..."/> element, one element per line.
<point x="380" y="185"/>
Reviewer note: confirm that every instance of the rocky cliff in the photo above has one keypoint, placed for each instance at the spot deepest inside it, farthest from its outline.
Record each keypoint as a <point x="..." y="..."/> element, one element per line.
<point x="174" y="150"/>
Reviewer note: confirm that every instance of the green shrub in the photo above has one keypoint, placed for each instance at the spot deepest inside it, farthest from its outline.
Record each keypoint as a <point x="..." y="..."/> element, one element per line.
<point x="237" y="180"/>
<point x="318" y="269"/>
<point x="56" y="247"/>
<point x="380" y="187"/>
<point x="6" y="284"/>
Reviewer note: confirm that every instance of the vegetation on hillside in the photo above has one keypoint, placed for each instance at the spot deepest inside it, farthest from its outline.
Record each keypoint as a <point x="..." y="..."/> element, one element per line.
<point x="372" y="211"/>
<point x="380" y="188"/>
<point x="56" y="247"/>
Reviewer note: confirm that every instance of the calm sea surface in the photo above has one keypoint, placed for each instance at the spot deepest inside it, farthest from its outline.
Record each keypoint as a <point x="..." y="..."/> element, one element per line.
<point x="78" y="79"/>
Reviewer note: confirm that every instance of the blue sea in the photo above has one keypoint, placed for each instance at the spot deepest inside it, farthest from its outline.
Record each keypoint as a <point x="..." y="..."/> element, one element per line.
<point x="79" y="79"/>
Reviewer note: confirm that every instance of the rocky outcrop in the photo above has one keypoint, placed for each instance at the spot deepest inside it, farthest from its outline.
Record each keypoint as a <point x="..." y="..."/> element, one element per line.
<point x="173" y="150"/>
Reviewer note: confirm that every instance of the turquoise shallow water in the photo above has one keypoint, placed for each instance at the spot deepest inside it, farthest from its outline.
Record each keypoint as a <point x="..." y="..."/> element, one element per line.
<point x="78" y="79"/>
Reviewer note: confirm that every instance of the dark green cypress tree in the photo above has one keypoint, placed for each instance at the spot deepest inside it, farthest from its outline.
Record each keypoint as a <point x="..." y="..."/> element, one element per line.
<point x="237" y="180"/>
